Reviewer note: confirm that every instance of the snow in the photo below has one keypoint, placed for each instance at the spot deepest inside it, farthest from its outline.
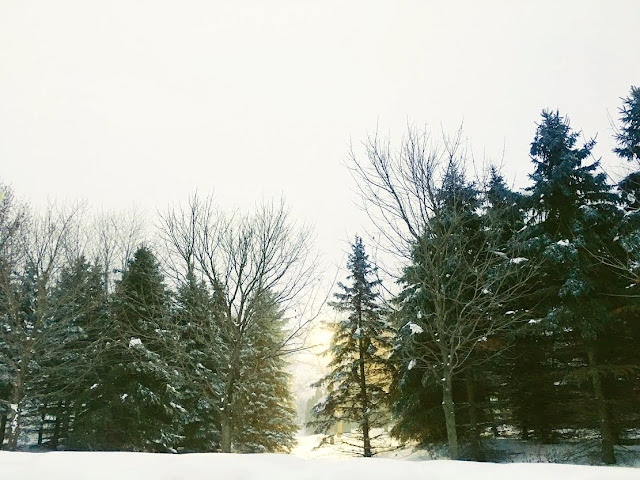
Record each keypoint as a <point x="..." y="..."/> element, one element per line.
<point x="412" y="364"/>
<point x="563" y="243"/>
<point x="130" y="466"/>
<point x="415" y="329"/>
<point x="518" y="260"/>
<point x="135" y="342"/>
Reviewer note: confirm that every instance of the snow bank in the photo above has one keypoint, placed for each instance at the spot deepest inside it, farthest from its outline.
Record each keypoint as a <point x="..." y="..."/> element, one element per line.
<point x="135" y="466"/>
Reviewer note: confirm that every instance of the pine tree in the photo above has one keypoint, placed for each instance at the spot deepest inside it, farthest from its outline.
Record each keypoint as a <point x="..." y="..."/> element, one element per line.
<point x="266" y="414"/>
<point x="628" y="137"/>
<point x="620" y="346"/>
<point x="358" y="385"/>
<point x="20" y="327"/>
<point x="454" y="308"/>
<point x="574" y="217"/>
<point x="199" y="351"/>
<point x="72" y="336"/>
<point x="135" y="405"/>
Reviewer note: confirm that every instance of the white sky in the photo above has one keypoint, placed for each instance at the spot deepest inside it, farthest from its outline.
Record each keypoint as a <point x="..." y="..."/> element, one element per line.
<point x="123" y="102"/>
<point x="142" y="102"/>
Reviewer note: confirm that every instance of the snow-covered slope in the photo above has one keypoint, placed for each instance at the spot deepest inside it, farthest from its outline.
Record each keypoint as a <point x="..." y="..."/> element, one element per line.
<point x="137" y="466"/>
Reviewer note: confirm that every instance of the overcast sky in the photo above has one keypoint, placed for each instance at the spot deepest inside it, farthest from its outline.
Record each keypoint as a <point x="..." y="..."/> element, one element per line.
<point x="124" y="102"/>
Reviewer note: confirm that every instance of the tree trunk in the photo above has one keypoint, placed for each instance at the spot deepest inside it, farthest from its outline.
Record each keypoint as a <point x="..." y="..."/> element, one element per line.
<point x="450" y="415"/>
<point x="55" y="439"/>
<point x="3" y="427"/>
<point x="494" y="422"/>
<point x="606" y="423"/>
<point x="365" y="401"/>
<point x="66" y="420"/>
<point x="43" y="417"/>
<point x="474" y="434"/>
<point x="225" y="434"/>
<point x="15" y="415"/>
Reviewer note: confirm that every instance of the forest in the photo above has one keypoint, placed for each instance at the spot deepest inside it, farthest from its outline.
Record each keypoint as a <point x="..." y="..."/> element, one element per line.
<point x="509" y="312"/>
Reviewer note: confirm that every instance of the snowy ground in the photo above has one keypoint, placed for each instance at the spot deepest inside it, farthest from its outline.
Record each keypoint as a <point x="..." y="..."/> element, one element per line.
<point x="307" y="463"/>
<point x="136" y="466"/>
<point x="502" y="450"/>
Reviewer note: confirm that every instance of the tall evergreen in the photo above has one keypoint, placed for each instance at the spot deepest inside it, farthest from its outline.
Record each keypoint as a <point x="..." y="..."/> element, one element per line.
<point x="19" y="336"/>
<point x="622" y="343"/>
<point x="628" y="137"/>
<point x="198" y="354"/>
<point x="71" y="342"/>
<point x="266" y="415"/>
<point x="574" y="216"/>
<point x="135" y="405"/>
<point x="358" y="384"/>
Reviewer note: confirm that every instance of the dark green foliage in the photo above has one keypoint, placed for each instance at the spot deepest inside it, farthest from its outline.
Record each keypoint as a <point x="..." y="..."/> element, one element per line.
<point x="135" y="406"/>
<point x="358" y="385"/>
<point x="573" y="234"/>
<point x="266" y="415"/>
<point x="417" y="407"/>
<point x="628" y="137"/>
<point x="453" y="309"/>
<point x="198" y="355"/>
<point x="71" y="337"/>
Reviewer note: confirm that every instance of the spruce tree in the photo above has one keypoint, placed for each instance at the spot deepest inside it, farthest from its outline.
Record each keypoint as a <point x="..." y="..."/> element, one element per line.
<point x="456" y="304"/>
<point x="135" y="405"/>
<point x="428" y="328"/>
<point x="574" y="217"/>
<point x="266" y="415"/>
<point x="198" y="354"/>
<point x="621" y="345"/>
<point x="628" y="137"/>
<point x="358" y="384"/>
<point x="71" y="342"/>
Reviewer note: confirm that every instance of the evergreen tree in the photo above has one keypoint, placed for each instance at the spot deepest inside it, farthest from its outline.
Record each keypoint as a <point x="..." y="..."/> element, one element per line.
<point x="628" y="137"/>
<point x="358" y="384"/>
<point x="19" y="335"/>
<point x="530" y="404"/>
<point x="573" y="223"/>
<point x="455" y="306"/>
<point x="72" y="336"/>
<point x="453" y="233"/>
<point x="135" y="405"/>
<point x="620" y="346"/>
<point x="266" y="414"/>
<point x="199" y="351"/>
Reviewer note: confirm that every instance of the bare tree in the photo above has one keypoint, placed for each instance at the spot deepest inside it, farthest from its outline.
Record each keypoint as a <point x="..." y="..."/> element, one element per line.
<point x="245" y="258"/>
<point x="449" y="256"/>
<point x="47" y="238"/>
<point x="113" y="238"/>
<point x="13" y="221"/>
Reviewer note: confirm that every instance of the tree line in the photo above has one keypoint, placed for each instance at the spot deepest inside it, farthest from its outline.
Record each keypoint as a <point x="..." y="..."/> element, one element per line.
<point x="516" y="311"/>
<point x="111" y="342"/>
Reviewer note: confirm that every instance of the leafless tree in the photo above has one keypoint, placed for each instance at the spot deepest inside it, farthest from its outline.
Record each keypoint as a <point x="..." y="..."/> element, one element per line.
<point x="13" y="222"/>
<point x="113" y="238"/>
<point x="400" y="192"/>
<point x="244" y="258"/>
<point x="46" y="240"/>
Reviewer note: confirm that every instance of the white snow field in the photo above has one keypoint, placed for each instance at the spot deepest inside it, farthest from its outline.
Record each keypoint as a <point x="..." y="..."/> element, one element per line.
<point x="137" y="466"/>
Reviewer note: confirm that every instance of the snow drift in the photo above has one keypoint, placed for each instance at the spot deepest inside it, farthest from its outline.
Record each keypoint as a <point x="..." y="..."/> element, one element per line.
<point x="136" y="466"/>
